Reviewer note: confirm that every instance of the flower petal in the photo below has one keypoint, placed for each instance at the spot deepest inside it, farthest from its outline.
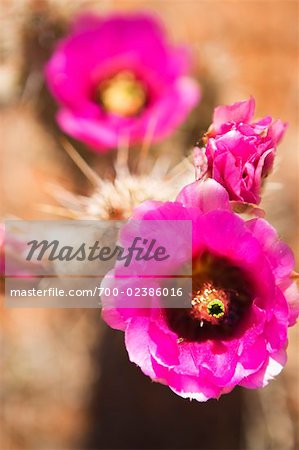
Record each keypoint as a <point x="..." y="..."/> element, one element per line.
<point x="206" y="195"/>
<point x="278" y="253"/>
<point x="237" y="112"/>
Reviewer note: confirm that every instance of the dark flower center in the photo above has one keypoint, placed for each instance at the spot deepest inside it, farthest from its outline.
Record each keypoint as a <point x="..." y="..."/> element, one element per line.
<point x="122" y="94"/>
<point x="221" y="295"/>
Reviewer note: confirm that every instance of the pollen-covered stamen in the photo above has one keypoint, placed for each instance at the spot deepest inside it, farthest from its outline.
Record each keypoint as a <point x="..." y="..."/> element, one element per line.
<point x="209" y="304"/>
<point x="122" y="94"/>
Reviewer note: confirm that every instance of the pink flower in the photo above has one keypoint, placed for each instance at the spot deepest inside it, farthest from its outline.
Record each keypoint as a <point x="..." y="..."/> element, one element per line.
<point x="235" y="330"/>
<point x="240" y="153"/>
<point x="119" y="77"/>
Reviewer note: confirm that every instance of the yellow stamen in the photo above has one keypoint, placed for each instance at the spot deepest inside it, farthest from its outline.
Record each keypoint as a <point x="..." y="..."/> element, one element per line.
<point x="122" y="94"/>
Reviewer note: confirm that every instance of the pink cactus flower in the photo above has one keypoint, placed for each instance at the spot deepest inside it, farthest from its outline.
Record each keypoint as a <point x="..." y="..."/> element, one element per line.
<point x="239" y="152"/>
<point x="242" y="302"/>
<point x="119" y="77"/>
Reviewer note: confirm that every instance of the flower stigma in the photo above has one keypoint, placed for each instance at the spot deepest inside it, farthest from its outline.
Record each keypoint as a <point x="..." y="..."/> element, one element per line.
<point x="216" y="308"/>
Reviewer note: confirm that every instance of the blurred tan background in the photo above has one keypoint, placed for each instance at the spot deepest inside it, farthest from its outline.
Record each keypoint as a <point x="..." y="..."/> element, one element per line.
<point x="65" y="378"/>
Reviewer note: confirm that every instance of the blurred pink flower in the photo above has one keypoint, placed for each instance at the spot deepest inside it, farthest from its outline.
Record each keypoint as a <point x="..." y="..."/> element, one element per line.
<point x="119" y="77"/>
<point x="243" y="300"/>
<point x="240" y="153"/>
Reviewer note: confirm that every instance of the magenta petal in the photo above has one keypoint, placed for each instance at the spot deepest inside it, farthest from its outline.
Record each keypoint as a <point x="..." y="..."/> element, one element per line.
<point x="188" y="386"/>
<point x="291" y="292"/>
<point x="226" y="235"/>
<point x="228" y="173"/>
<point x="253" y="346"/>
<point x="113" y="311"/>
<point x="137" y="343"/>
<point x="163" y="345"/>
<point x="254" y="355"/>
<point x="216" y="359"/>
<point x="277" y="131"/>
<point x="271" y="368"/>
<point x="206" y="195"/>
<point x="114" y="318"/>
<point x="237" y="112"/>
<point x="96" y="134"/>
<point x="278" y="253"/>
<point x="170" y="110"/>
<point x="261" y="124"/>
<point x="275" y="365"/>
